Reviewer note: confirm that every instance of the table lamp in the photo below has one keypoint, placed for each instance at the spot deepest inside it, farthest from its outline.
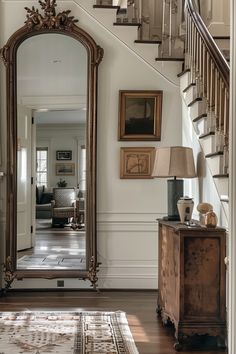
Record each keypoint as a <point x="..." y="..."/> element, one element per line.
<point x="176" y="162"/>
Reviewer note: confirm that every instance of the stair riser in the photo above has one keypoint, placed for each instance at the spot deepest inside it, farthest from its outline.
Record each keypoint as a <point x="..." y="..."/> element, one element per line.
<point x="216" y="164"/>
<point x="222" y="185"/>
<point x="106" y="16"/>
<point x="128" y="34"/>
<point x="204" y="125"/>
<point x="226" y="207"/>
<point x="190" y="95"/>
<point x="208" y="144"/>
<point x="148" y="50"/>
<point x="197" y="109"/>
<point x="201" y="126"/>
<point x="184" y="81"/>
<point x="223" y="44"/>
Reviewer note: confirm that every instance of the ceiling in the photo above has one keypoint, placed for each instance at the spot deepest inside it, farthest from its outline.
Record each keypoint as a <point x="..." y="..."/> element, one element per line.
<point x="51" y="69"/>
<point x="60" y="117"/>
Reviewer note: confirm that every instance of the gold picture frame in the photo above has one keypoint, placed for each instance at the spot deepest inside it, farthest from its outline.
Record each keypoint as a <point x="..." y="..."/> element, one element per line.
<point x="136" y="162"/>
<point x="140" y="115"/>
<point x="65" y="169"/>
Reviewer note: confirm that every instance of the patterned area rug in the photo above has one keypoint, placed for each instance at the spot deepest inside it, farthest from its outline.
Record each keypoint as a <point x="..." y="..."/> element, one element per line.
<point x="65" y="333"/>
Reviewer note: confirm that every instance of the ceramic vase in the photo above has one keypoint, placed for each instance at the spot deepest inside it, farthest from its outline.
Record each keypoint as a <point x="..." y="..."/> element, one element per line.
<point x="211" y="219"/>
<point x="185" y="209"/>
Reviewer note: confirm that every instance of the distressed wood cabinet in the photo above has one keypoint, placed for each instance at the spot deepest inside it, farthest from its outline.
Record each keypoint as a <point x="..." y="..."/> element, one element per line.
<point x="192" y="281"/>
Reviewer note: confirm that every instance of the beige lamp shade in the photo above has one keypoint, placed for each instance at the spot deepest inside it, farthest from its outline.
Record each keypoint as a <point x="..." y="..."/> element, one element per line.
<point x="174" y="161"/>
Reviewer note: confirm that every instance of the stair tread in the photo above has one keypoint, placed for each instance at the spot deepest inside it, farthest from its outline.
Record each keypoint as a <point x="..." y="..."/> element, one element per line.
<point x="127" y="24"/>
<point x="213" y="154"/>
<point x="183" y="72"/>
<point x="195" y="100"/>
<point x="221" y="37"/>
<point x="189" y="86"/>
<point x="223" y="175"/>
<point x="206" y="134"/>
<point x="203" y="115"/>
<point x="147" y="41"/>
<point x="169" y="59"/>
<point x="106" y="7"/>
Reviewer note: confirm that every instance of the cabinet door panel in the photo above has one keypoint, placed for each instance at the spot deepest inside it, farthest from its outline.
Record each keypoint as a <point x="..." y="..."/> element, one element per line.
<point x="201" y="276"/>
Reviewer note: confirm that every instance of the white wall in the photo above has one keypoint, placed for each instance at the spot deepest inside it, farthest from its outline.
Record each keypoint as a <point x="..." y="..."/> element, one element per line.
<point x="61" y="137"/>
<point x="126" y="209"/>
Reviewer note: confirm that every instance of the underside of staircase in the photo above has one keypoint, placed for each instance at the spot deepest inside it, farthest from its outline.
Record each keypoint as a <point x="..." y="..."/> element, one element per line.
<point x="203" y="90"/>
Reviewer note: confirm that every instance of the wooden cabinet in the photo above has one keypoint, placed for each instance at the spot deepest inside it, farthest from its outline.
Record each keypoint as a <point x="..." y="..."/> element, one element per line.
<point x="192" y="281"/>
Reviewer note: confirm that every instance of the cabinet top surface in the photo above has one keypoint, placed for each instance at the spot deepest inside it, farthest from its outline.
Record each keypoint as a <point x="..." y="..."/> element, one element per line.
<point x="194" y="226"/>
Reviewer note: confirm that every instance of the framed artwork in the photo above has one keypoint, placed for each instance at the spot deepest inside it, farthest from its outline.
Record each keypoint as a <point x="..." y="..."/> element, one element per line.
<point x="140" y="115"/>
<point x="136" y="162"/>
<point x="65" y="169"/>
<point x="64" y="155"/>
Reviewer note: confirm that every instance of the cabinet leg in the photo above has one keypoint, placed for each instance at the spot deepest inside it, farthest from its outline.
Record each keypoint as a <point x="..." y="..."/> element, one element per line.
<point x="158" y="310"/>
<point x="178" y="346"/>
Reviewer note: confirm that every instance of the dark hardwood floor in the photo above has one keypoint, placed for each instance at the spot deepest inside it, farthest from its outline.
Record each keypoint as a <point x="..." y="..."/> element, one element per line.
<point x="140" y="306"/>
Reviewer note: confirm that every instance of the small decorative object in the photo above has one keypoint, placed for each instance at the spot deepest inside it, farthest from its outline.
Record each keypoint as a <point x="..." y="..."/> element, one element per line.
<point x="185" y="209"/>
<point x="62" y="183"/>
<point x="136" y="162"/>
<point x="64" y="155"/>
<point x="140" y="115"/>
<point x="211" y="219"/>
<point x="203" y="208"/>
<point x="65" y="169"/>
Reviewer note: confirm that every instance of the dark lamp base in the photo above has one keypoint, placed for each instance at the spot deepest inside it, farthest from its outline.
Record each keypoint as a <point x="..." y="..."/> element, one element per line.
<point x="175" y="192"/>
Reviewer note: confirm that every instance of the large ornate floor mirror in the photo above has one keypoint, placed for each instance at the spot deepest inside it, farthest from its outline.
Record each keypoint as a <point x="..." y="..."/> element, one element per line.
<point x="51" y="72"/>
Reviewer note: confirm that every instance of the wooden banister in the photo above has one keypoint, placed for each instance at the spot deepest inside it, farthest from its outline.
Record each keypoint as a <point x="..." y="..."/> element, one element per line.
<point x="216" y="55"/>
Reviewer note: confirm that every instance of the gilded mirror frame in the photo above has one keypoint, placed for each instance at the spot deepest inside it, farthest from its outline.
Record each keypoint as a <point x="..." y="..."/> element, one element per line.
<point x="37" y="23"/>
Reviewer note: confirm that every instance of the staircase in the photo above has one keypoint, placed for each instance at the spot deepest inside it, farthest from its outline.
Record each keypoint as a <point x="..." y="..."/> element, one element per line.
<point x="203" y="70"/>
<point x="205" y="89"/>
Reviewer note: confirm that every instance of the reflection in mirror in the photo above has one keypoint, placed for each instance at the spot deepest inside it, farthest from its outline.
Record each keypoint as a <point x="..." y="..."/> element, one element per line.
<point x="49" y="82"/>
<point x="51" y="154"/>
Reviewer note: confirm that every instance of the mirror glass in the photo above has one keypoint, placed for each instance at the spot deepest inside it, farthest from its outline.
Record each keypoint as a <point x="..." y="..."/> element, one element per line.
<point x="51" y="153"/>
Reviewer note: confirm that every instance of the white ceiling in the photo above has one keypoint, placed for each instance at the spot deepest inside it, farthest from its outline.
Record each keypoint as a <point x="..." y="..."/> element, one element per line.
<point x="53" y="66"/>
<point x="60" y="117"/>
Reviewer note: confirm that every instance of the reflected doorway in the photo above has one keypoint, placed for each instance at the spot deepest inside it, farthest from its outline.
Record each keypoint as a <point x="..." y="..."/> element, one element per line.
<point x="59" y="157"/>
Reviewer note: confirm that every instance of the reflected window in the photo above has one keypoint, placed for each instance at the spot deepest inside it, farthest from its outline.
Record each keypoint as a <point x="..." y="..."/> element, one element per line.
<point x="42" y="166"/>
<point x="82" y="183"/>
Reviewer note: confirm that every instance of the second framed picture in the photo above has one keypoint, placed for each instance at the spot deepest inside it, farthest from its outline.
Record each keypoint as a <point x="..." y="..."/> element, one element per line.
<point x="136" y="162"/>
<point x="65" y="169"/>
<point x="140" y="115"/>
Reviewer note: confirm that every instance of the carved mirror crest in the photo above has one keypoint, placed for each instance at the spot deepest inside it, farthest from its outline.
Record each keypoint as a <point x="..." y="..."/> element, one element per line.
<point x="48" y="23"/>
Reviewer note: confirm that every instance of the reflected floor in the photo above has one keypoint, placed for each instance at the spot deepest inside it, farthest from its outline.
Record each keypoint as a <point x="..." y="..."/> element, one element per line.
<point x="55" y="248"/>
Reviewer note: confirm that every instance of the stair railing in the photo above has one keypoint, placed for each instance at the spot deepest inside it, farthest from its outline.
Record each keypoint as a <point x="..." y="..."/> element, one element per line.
<point x="209" y="70"/>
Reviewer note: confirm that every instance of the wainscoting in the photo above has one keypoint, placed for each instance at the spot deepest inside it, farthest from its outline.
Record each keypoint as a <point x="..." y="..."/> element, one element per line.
<point x="128" y="250"/>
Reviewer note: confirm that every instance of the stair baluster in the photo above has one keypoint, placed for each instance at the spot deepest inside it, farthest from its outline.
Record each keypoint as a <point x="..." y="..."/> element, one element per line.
<point x="210" y="71"/>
